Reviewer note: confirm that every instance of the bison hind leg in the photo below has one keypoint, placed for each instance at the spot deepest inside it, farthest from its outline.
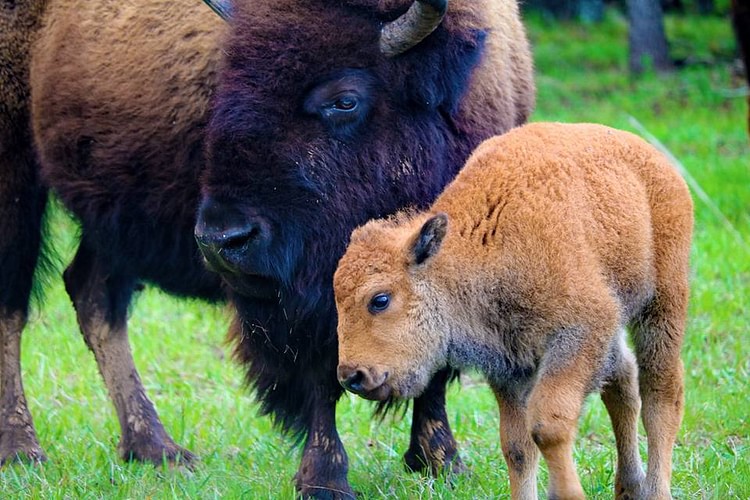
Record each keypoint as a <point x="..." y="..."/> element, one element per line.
<point x="101" y="297"/>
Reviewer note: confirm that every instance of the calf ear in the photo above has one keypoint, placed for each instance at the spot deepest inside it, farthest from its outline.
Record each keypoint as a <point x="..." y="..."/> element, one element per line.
<point x="430" y="237"/>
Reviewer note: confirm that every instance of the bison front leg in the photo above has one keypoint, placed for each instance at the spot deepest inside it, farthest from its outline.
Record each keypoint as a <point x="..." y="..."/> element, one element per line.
<point x="101" y="299"/>
<point x="432" y="447"/>
<point x="322" y="473"/>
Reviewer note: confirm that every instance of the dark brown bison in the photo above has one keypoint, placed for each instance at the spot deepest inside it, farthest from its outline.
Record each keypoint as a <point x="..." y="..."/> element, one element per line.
<point x="324" y="114"/>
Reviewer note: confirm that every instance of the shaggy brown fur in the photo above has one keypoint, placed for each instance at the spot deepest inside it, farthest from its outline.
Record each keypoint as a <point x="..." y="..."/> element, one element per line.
<point x="529" y="266"/>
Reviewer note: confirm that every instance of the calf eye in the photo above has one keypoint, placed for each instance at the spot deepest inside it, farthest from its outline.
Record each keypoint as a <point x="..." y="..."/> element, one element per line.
<point x="379" y="303"/>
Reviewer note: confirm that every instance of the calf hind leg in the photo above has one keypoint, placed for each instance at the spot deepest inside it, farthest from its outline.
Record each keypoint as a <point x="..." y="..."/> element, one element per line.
<point x="101" y="298"/>
<point x="620" y="396"/>
<point x="658" y="339"/>
<point x="432" y="446"/>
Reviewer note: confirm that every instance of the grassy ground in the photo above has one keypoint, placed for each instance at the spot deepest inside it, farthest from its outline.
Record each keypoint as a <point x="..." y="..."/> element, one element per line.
<point x="179" y="344"/>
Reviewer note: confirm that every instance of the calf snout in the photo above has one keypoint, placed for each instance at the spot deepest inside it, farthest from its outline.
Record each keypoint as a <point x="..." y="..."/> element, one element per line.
<point x="366" y="382"/>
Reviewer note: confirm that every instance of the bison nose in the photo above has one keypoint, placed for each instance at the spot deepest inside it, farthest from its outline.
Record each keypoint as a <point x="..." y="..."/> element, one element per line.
<point x="359" y="380"/>
<point x="232" y="238"/>
<point x="225" y="234"/>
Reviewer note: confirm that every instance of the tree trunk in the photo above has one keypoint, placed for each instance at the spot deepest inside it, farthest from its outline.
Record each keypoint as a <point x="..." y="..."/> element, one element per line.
<point x="706" y="6"/>
<point x="591" y="11"/>
<point x="648" y="42"/>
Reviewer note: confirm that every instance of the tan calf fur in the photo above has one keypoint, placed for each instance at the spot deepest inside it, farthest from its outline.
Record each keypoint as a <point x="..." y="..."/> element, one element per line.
<point x="551" y="241"/>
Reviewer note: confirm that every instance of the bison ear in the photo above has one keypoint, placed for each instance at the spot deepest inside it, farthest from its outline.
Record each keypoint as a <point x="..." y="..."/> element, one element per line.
<point x="440" y="68"/>
<point x="430" y="237"/>
<point x="222" y="7"/>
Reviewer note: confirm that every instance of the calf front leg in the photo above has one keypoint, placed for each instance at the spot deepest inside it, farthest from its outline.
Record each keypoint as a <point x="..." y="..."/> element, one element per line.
<point x="432" y="446"/>
<point x="520" y="453"/>
<point x="324" y="466"/>
<point x="573" y="358"/>
<point x="101" y="299"/>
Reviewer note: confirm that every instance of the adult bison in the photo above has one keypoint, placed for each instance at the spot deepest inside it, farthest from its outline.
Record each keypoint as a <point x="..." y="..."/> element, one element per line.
<point x="325" y="113"/>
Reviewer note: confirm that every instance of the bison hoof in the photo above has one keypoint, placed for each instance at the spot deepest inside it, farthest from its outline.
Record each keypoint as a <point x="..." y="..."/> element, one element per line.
<point x="446" y="462"/>
<point x="331" y="490"/>
<point x="321" y="478"/>
<point x="327" y="493"/>
<point x="160" y="452"/>
<point x="20" y="444"/>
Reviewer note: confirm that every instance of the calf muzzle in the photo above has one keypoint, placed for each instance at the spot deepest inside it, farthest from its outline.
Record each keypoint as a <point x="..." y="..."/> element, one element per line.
<point x="365" y="382"/>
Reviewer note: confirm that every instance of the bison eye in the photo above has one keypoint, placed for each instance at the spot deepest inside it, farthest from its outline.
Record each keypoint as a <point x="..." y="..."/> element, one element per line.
<point x="342" y="109"/>
<point x="346" y="103"/>
<point x="379" y="303"/>
<point x="342" y="102"/>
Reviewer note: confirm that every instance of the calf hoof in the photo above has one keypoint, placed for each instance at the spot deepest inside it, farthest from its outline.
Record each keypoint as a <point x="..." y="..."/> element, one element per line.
<point x="440" y="461"/>
<point x="20" y="444"/>
<point x="155" y="451"/>
<point x="659" y="493"/>
<point x="630" y="488"/>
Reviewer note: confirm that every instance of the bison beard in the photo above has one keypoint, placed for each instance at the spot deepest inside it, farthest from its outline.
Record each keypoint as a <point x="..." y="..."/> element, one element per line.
<point x="313" y="131"/>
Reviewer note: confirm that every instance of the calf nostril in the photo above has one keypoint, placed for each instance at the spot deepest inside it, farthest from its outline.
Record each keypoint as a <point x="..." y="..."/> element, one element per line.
<point x="354" y="381"/>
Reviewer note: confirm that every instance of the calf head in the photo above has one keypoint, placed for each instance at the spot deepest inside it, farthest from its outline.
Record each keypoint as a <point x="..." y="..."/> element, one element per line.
<point x="391" y="330"/>
<point x="321" y="121"/>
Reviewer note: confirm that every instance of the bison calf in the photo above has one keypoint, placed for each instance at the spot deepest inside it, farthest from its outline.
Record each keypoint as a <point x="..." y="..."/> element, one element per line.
<point x="529" y="267"/>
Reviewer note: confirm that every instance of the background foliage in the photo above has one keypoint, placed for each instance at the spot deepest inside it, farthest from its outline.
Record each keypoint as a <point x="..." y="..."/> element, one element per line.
<point x="581" y="68"/>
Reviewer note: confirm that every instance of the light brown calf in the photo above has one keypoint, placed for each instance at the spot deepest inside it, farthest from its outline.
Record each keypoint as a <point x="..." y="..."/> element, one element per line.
<point x="529" y="266"/>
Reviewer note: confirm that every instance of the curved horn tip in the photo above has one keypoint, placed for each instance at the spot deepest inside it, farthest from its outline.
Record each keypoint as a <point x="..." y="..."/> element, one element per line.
<point x="405" y="32"/>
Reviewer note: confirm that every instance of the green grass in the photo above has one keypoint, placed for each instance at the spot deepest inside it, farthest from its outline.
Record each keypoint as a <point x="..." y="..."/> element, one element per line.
<point x="185" y="366"/>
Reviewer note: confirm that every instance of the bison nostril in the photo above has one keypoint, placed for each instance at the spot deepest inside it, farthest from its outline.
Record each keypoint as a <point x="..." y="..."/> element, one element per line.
<point x="230" y="239"/>
<point x="236" y="239"/>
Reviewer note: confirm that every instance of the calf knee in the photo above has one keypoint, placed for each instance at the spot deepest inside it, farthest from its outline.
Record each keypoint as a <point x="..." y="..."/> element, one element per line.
<point x="551" y="430"/>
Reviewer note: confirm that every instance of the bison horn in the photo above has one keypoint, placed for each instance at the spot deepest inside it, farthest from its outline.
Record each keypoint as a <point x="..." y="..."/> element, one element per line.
<point x="415" y="25"/>
<point x="221" y="7"/>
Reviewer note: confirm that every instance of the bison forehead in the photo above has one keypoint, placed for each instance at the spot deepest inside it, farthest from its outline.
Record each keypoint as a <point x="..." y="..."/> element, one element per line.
<point x="305" y="38"/>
